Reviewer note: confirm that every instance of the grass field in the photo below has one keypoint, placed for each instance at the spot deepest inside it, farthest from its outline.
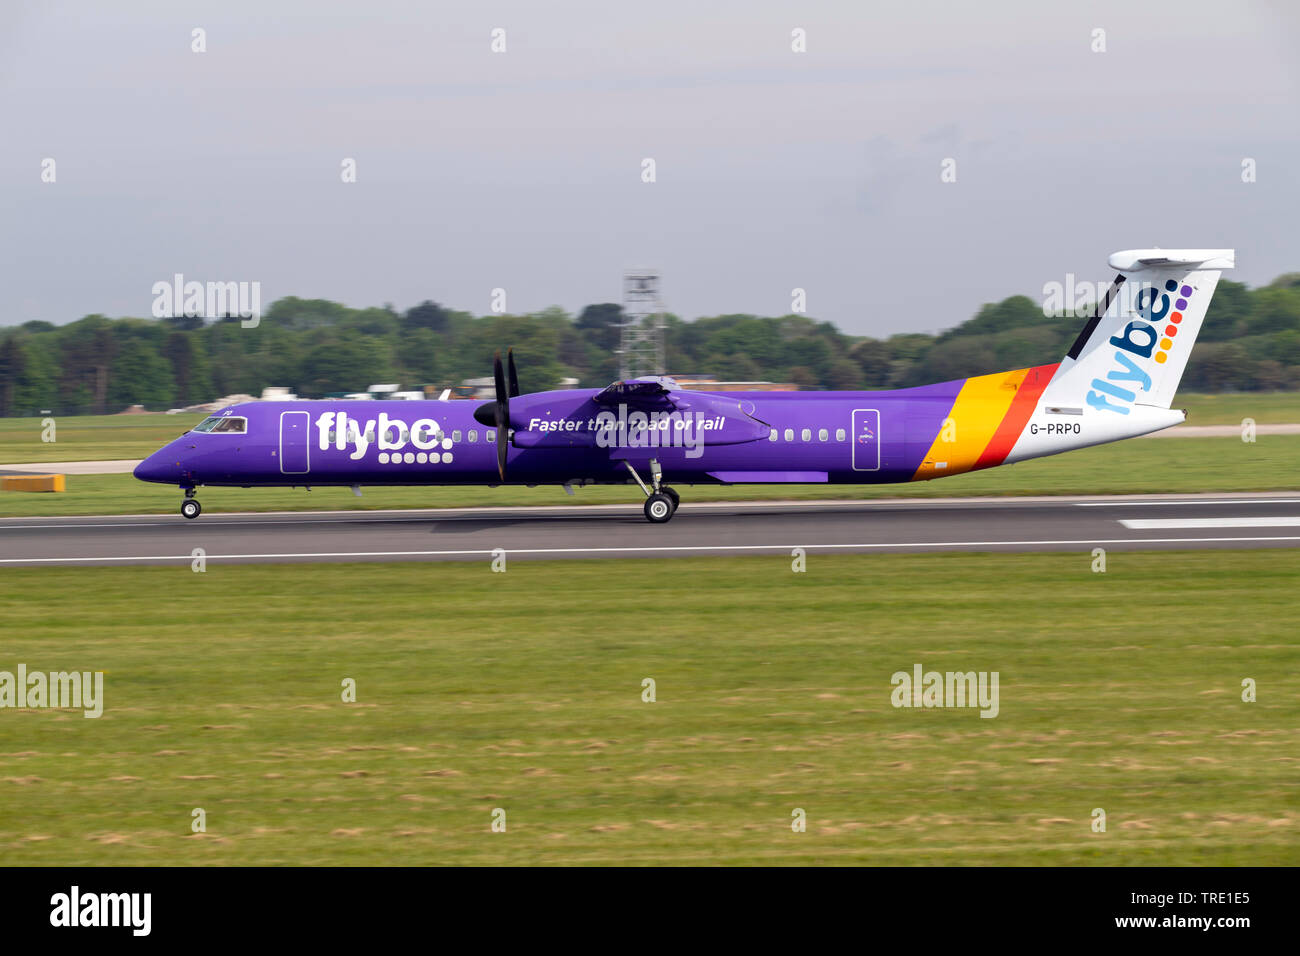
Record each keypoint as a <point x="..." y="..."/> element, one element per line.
<point x="522" y="691"/>
<point x="90" y="437"/>
<point x="102" y="437"/>
<point x="1267" y="408"/>
<point x="1138" y="466"/>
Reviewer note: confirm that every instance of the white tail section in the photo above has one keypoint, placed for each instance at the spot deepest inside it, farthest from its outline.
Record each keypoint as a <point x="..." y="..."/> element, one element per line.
<point x="1134" y="350"/>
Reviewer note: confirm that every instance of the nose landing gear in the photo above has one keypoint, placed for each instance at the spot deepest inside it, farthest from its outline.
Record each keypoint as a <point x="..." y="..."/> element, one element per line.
<point x="190" y="507"/>
<point x="661" y="503"/>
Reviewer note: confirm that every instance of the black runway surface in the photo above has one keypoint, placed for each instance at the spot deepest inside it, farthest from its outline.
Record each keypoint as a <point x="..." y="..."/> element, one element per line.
<point x="620" y="531"/>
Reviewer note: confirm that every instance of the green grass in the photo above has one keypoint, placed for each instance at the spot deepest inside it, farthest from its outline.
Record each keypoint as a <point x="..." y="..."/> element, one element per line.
<point x="99" y="437"/>
<point x="1267" y="408"/>
<point x="1136" y="466"/>
<point x="90" y="437"/>
<point x="523" y="691"/>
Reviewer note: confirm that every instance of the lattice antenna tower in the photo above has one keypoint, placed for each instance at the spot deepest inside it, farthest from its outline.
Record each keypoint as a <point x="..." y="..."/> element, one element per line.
<point x="641" y="342"/>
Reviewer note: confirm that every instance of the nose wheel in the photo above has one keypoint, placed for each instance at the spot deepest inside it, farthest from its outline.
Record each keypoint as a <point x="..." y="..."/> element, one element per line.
<point x="190" y="507"/>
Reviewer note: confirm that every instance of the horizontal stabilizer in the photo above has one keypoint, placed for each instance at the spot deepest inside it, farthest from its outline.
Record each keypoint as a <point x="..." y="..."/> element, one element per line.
<point x="1136" y="260"/>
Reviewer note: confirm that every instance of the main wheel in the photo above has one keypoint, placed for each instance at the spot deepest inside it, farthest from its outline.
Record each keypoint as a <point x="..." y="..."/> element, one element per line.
<point x="658" y="508"/>
<point x="190" y="508"/>
<point x="671" y="493"/>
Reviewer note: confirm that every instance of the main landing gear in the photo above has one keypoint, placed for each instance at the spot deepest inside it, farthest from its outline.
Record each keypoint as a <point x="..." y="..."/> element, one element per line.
<point x="190" y="507"/>
<point x="661" y="503"/>
<point x="659" y="508"/>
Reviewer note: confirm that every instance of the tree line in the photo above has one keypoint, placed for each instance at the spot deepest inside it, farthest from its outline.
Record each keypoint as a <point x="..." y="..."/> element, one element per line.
<point x="1250" y="341"/>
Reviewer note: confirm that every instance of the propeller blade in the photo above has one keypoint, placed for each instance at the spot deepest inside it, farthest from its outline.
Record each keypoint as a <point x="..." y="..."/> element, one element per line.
<point x="499" y="378"/>
<point x="513" y="375"/>
<point x="503" y="413"/>
<point x="503" y="434"/>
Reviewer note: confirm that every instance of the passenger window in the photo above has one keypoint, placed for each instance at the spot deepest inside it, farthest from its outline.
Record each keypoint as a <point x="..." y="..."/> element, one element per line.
<point x="491" y="435"/>
<point x="823" y="435"/>
<point x="473" y="434"/>
<point x="789" y="434"/>
<point x="839" y="434"/>
<point x="455" y="436"/>
<point x="771" y="436"/>
<point x="806" y="435"/>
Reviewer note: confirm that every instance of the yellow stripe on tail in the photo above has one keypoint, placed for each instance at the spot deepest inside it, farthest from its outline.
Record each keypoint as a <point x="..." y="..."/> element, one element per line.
<point x="980" y="407"/>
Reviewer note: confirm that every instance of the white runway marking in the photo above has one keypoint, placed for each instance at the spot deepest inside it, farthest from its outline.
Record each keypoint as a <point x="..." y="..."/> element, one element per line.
<point x="1187" y="524"/>
<point x="1188" y="501"/>
<point x="487" y="552"/>
<point x="114" y="466"/>
<point x="136" y="524"/>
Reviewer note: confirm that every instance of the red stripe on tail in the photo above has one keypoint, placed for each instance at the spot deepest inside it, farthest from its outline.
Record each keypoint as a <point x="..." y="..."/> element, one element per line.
<point x="1017" y="416"/>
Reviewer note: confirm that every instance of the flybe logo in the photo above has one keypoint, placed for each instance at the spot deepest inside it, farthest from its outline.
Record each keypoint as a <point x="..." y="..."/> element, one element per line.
<point x="1140" y="342"/>
<point x="338" y="430"/>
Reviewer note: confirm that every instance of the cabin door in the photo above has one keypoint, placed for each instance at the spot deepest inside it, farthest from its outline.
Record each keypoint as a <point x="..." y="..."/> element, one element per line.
<point x="295" y="449"/>
<point x="866" y="439"/>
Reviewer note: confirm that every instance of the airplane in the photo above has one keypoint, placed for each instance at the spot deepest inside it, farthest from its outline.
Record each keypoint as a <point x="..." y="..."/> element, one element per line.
<point x="1116" y="381"/>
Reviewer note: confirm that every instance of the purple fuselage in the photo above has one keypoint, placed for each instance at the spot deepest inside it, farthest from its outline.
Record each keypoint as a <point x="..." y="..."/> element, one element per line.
<point x="855" y="437"/>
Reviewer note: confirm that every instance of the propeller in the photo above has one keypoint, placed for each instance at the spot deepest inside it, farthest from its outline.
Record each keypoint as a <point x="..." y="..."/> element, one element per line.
<point x="503" y="407"/>
<point x="505" y="385"/>
<point x="513" y="375"/>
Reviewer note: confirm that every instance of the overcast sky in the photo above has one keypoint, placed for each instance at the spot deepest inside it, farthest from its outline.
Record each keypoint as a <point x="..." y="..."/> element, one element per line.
<point x="522" y="170"/>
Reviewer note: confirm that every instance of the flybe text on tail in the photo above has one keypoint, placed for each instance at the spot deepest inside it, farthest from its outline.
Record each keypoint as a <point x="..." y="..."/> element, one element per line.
<point x="1142" y="341"/>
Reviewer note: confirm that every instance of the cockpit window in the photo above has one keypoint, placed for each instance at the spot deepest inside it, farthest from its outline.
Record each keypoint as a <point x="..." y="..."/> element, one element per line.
<point x="227" y="425"/>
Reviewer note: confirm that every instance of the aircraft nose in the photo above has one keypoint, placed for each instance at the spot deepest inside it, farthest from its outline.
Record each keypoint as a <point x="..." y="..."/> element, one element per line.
<point x="156" y="468"/>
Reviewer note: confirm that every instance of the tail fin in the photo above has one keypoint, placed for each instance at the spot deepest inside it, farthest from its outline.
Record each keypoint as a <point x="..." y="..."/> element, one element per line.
<point x="1135" y="347"/>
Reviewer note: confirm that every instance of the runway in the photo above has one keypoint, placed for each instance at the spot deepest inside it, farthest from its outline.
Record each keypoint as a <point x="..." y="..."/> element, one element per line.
<point x="619" y="531"/>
